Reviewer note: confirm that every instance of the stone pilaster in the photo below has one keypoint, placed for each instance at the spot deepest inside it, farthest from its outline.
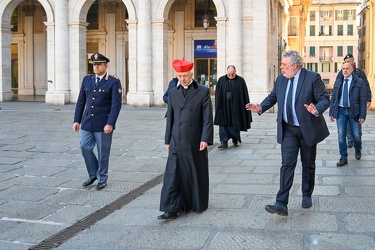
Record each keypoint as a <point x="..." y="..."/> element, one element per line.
<point x="77" y="58"/>
<point x="235" y="32"/>
<point x="5" y="69"/>
<point x="60" y="95"/>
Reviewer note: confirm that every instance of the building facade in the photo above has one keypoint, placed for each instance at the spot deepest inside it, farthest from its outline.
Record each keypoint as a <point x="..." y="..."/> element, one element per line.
<point x="45" y="45"/>
<point x="366" y="43"/>
<point x="331" y="33"/>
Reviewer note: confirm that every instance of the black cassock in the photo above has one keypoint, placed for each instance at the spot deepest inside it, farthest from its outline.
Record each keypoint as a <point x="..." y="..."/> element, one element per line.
<point x="230" y="100"/>
<point x="189" y="121"/>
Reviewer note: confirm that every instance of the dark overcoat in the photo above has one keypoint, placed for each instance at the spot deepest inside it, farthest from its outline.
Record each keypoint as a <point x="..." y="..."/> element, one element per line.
<point x="239" y="117"/>
<point x="189" y="122"/>
<point x="100" y="105"/>
<point x="310" y="89"/>
<point x="357" y="98"/>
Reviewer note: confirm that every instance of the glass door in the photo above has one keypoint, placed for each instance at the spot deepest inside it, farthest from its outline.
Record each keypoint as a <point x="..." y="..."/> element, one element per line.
<point x="206" y="73"/>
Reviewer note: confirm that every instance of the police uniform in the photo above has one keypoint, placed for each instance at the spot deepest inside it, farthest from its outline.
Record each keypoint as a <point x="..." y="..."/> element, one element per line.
<point x="98" y="104"/>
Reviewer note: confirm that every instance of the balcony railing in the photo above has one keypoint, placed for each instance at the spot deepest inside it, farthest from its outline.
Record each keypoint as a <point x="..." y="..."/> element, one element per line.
<point x="326" y="58"/>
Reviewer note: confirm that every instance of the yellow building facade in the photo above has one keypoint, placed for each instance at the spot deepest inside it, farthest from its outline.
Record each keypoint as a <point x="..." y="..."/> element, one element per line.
<point x="366" y="42"/>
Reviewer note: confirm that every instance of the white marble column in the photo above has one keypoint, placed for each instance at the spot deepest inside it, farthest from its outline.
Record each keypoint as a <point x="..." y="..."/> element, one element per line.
<point x="111" y="42"/>
<point x="221" y="45"/>
<point x="144" y="55"/>
<point x="60" y="96"/>
<point x="262" y="84"/>
<point x="27" y="87"/>
<point x="77" y="58"/>
<point x="50" y="28"/>
<point x="234" y="38"/>
<point x="132" y="61"/>
<point x="5" y="69"/>
<point x="160" y="60"/>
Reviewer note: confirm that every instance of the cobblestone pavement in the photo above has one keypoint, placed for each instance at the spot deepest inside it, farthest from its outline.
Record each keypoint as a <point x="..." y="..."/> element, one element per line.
<point x="42" y="170"/>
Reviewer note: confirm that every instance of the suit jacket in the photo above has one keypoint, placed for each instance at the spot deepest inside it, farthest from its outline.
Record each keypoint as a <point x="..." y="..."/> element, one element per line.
<point x="357" y="98"/>
<point x="100" y="105"/>
<point x="172" y="84"/>
<point x="361" y="74"/>
<point x="310" y="89"/>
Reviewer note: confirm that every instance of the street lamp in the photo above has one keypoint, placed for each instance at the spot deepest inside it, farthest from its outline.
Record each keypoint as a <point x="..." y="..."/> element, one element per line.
<point x="206" y="22"/>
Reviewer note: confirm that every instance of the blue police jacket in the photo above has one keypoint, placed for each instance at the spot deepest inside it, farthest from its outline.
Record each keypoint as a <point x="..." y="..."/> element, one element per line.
<point x="100" y="105"/>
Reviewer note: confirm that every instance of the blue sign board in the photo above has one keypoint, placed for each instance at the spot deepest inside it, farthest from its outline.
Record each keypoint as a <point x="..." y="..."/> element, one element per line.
<point x="205" y="49"/>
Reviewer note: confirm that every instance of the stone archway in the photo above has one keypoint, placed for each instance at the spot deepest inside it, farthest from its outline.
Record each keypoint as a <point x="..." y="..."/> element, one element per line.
<point x="6" y="10"/>
<point x="78" y="48"/>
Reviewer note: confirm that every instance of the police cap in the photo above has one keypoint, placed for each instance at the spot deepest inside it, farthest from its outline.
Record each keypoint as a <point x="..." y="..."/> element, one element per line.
<point x="98" y="58"/>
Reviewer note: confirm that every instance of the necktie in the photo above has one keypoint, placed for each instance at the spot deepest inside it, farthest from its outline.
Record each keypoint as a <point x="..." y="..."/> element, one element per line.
<point x="97" y="81"/>
<point x="345" y="97"/>
<point x="289" y="103"/>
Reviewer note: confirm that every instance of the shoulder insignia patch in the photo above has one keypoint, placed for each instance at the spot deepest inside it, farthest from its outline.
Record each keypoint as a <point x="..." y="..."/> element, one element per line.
<point x="114" y="76"/>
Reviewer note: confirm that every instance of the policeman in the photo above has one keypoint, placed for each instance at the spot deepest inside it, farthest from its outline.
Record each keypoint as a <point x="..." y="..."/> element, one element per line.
<point x="97" y="109"/>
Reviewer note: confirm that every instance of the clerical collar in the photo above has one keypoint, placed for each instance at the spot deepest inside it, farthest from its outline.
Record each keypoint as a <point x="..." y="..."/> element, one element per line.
<point x="186" y="87"/>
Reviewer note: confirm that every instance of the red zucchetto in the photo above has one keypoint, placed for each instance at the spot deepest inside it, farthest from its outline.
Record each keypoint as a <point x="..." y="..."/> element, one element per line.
<point x="182" y="65"/>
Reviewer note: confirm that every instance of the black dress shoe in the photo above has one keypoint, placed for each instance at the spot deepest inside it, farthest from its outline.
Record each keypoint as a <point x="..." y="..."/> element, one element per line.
<point x="350" y="144"/>
<point x="235" y="144"/>
<point x="89" y="182"/>
<point x="167" y="216"/>
<point x="306" y="202"/>
<point x="342" y="162"/>
<point x="358" y="154"/>
<point x="223" y="145"/>
<point x="101" y="185"/>
<point x="279" y="208"/>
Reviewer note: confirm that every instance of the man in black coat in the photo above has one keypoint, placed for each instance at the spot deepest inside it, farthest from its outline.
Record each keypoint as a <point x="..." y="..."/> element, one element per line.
<point x="188" y="133"/>
<point x="361" y="74"/>
<point x="302" y="98"/>
<point x="230" y="99"/>
<point x="348" y="105"/>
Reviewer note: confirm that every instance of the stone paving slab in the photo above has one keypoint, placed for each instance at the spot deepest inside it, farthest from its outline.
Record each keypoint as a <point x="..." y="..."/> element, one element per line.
<point x="47" y="167"/>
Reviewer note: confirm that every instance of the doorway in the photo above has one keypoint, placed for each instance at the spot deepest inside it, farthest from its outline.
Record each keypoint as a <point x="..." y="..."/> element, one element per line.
<point x="206" y="73"/>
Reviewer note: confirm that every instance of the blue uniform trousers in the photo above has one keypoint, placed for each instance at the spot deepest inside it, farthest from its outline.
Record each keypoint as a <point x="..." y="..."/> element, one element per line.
<point x="96" y="166"/>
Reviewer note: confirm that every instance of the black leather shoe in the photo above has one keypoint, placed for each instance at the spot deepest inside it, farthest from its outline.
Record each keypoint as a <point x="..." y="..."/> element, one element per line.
<point x="350" y="144"/>
<point x="89" y="182"/>
<point x="358" y="154"/>
<point x="167" y="216"/>
<point x="235" y="144"/>
<point x="223" y="145"/>
<point x="279" y="208"/>
<point x="306" y="202"/>
<point x="342" y="162"/>
<point x="101" y="185"/>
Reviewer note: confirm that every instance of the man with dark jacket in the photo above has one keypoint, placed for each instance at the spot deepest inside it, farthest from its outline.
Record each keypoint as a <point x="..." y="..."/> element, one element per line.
<point x="361" y="74"/>
<point x="98" y="107"/>
<point x="188" y="133"/>
<point x="348" y="104"/>
<point x="230" y="99"/>
<point x="302" y="98"/>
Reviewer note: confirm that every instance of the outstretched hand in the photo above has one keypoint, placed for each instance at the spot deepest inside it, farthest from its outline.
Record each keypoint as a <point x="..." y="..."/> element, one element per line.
<point x="311" y="108"/>
<point x="253" y="107"/>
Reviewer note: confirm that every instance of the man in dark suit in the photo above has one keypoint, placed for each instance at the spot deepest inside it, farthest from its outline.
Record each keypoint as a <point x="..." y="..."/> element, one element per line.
<point x="97" y="109"/>
<point x="302" y="98"/>
<point x="348" y="105"/>
<point x="189" y="131"/>
<point x="361" y="74"/>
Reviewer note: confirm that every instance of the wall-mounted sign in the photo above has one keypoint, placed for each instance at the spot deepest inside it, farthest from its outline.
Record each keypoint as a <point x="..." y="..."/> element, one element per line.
<point x="205" y="49"/>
